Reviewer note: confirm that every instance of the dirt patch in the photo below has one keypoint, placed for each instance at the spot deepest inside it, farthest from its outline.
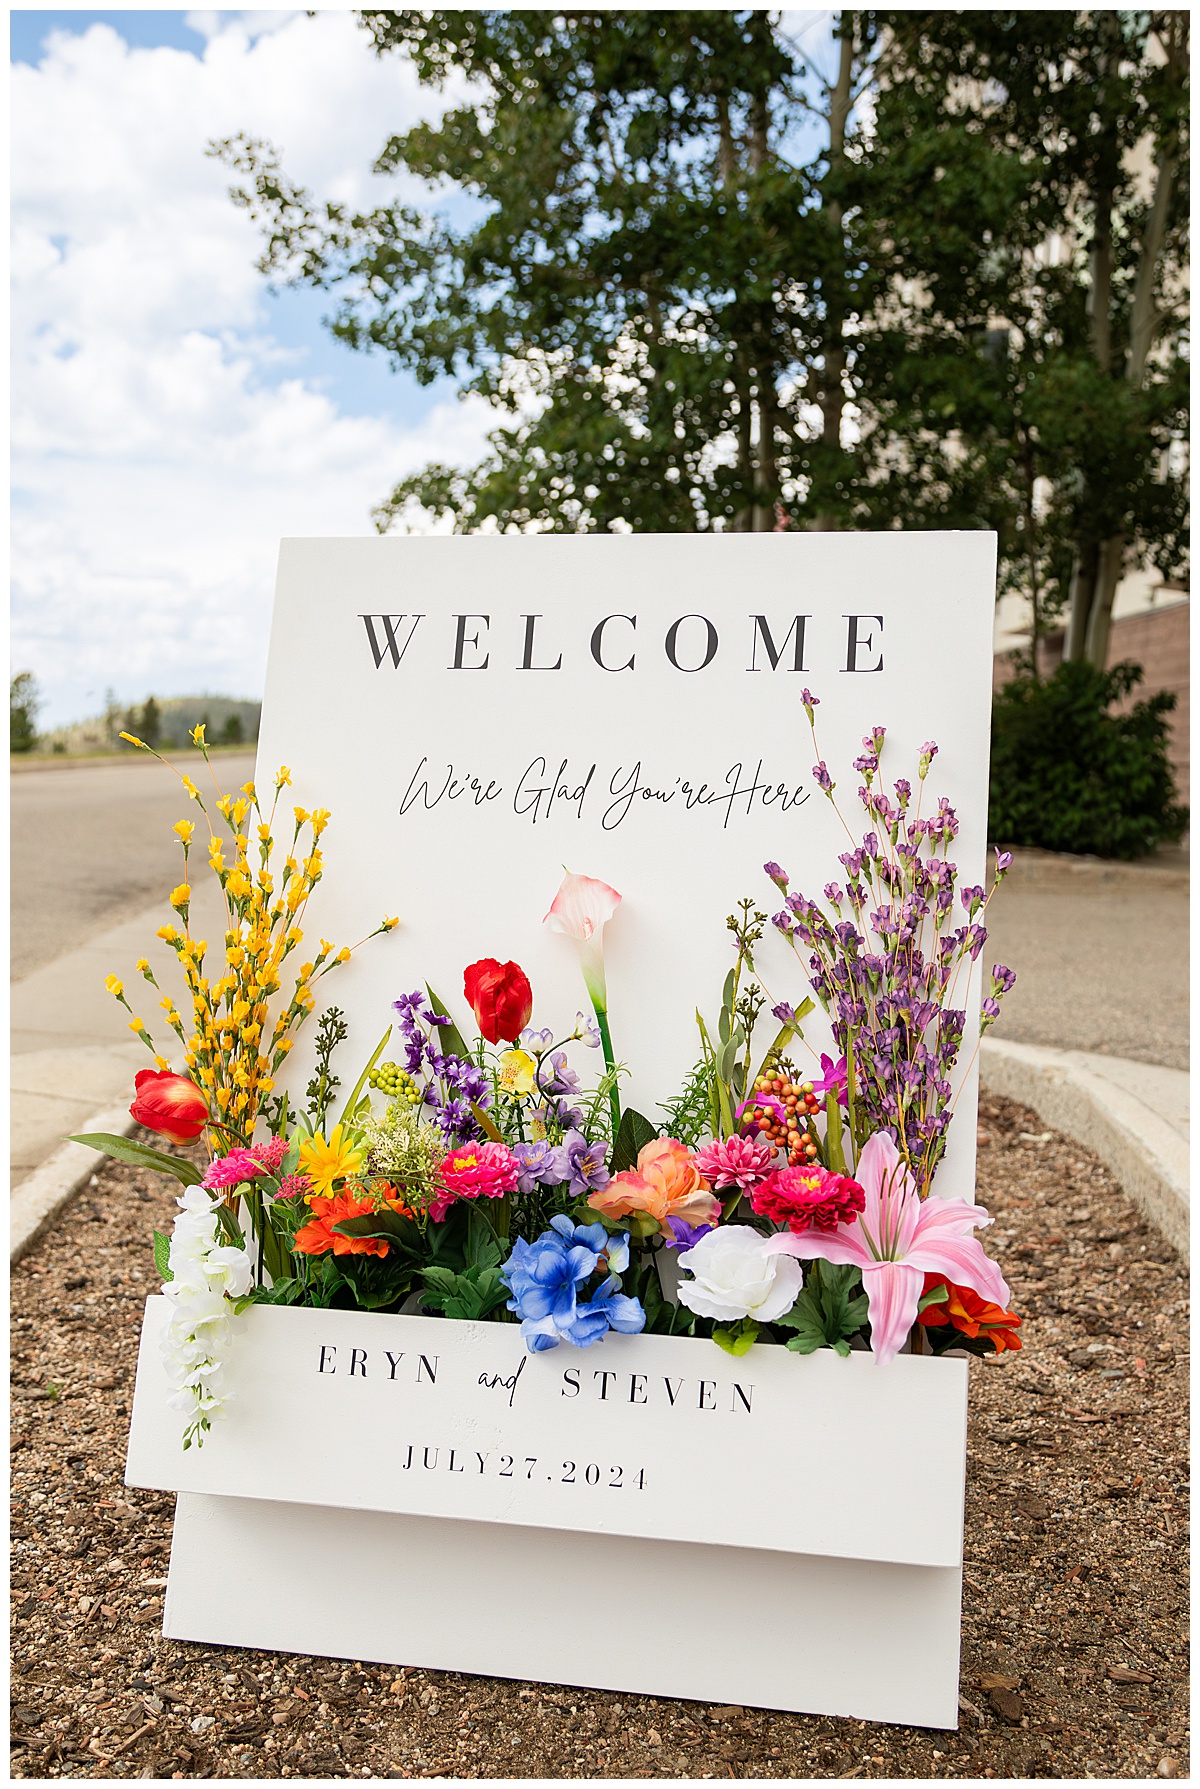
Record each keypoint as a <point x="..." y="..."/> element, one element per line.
<point x="1075" y="1600"/>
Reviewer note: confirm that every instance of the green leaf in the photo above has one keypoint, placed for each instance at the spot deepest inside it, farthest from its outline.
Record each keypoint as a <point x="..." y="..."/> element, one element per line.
<point x="467" y="1297"/>
<point x="738" y="1338"/>
<point x="827" y="1312"/>
<point x="482" y="1250"/>
<point x="632" y="1137"/>
<point x="162" y="1257"/>
<point x="935" y="1295"/>
<point x="386" y="1226"/>
<point x="139" y="1155"/>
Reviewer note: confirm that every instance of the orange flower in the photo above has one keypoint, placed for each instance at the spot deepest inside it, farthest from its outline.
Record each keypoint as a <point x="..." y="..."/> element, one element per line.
<point x="319" y="1236"/>
<point x="666" y="1184"/>
<point x="971" y="1314"/>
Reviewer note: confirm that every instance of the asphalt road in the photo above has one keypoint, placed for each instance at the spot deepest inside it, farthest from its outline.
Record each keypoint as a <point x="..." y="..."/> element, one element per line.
<point x="92" y="846"/>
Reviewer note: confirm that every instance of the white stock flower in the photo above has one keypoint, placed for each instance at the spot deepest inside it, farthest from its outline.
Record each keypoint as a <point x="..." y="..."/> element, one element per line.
<point x="734" y="1277"/>
<point x="206" y="1273"/>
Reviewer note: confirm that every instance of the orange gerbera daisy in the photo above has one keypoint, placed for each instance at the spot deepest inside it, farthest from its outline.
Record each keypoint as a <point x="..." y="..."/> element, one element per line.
<point x="319" y="1236"/>
<point x="973" y="1315"/>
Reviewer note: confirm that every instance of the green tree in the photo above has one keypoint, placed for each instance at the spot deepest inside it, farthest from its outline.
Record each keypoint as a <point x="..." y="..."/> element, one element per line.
<point x="232" y="733"/>
<point x="151" y="722"/>
<point x="1030" y="222"/>
<point x="655" y="287"/>
<point x="24" y="700"/>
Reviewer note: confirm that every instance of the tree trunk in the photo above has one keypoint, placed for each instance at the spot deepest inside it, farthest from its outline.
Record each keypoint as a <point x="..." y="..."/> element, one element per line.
<point x="1083" y="589"/>
<point x="1143" y="324"/>
<point x="833" y="396"/>
<point x="1112" y="564"/>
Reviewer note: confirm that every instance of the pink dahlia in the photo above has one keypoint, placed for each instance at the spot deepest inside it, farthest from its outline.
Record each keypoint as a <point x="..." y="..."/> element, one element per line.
<point x="737" y="1161"/>
<point x="474" y="1171"/>
<point x="809" y="1198"/>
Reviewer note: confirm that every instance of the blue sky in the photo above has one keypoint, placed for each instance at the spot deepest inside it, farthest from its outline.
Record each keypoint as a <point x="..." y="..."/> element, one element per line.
<point x="172" y="419"/>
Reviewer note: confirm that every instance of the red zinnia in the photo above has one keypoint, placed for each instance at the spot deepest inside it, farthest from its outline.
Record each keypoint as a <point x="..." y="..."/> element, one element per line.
<point x="809" y="1198"/>
<point x="169" y="1104"/>
<point x="501" y="998"/>
<point x="973" y="1315"/>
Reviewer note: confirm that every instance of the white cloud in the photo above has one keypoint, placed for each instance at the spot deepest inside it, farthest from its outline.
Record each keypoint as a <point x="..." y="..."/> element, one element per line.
<point x="163" y="439"/>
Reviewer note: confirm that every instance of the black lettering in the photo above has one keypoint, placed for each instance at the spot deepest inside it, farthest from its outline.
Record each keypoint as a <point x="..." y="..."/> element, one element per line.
<point x="395" y="1360"/>
<point x="707" y="1385"/>
<point x="673" y="640"/>
<point x="424" y="1367"/>
<point x="744" y="1394"/>
<point x="570" y="1387"/>
<point x="637" y="1388"/>
<point x="761" y="627"/>
<point x="430" y="1464"/>
<point x="855" y="644"/>
<point x="358" y="1362"/>
<point x="408" y="1463"/>
<point x="391" y="648"/>
<point x="604" y="1379"/>
<point x="330" y="1349"/>
<point x="453" y="1467"/>
<point x="527" y="663"/>
<point x="598" y="642"/>
<point x="672" y="1391"/>
<point x="461" y="642"/>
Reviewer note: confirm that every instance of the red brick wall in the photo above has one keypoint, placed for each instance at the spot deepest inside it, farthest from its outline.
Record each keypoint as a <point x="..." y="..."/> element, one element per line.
<point x="1157" y="640"/>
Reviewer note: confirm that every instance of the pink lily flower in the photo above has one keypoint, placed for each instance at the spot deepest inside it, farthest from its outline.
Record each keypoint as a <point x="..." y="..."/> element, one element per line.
<point x="898" y="1239"/>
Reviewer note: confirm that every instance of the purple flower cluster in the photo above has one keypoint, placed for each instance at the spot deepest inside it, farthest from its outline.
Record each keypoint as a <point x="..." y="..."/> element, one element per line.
<point x="451" y="1084"/>
<point x="889" y="974"/>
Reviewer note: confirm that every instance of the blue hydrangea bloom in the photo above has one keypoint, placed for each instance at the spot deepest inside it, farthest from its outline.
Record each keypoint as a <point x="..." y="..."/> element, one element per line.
<point x="545" y="1278"/>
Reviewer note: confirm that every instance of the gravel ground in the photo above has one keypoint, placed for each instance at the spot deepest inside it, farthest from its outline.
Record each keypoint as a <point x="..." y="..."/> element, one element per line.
<point x="1074" y="1648"/>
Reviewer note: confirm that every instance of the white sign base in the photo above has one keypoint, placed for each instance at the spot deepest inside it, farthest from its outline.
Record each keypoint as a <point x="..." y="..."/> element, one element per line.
<point x="712" y="1624"/>
<point x="784" y="1525"/>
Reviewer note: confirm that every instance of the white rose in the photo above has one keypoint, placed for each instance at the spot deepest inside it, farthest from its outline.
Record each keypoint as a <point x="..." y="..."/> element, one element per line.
<point x="735" y="1277"/>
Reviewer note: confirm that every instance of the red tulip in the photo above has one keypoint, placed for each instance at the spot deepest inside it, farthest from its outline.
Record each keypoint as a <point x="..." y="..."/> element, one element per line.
<point x="501" y="999"/>
<point x="169" y="1104"/>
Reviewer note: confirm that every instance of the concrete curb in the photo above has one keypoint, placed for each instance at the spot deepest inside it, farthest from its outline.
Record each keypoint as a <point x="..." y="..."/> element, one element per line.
<point x="43" y="1194"/>
<point x="1147" y="1153"/>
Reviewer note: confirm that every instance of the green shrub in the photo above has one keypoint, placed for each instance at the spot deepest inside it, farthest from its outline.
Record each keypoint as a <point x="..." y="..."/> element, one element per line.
<point x="1068" y="775"/>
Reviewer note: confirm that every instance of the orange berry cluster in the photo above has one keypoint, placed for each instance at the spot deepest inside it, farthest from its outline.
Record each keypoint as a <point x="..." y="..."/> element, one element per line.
<point x="792" y="1133"/>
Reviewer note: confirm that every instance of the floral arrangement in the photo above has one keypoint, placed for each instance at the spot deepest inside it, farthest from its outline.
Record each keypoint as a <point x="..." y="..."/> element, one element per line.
<point x="487" y="1175"/>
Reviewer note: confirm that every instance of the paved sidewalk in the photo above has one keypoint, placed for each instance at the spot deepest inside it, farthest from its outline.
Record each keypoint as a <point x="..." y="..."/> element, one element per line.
<point x="1101" y="955"/>
<point x="73" y="1054"/>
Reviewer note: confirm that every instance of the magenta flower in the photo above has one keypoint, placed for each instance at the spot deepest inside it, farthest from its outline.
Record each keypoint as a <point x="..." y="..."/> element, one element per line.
<point x="898" y="1239"/>
<point x="270" y="1154"/>
<point x="294" y="1186"/>
<point x="474" y="1171"/>
<point x="231" y="1170"/>
<point x="738" y="1161"/>
<point x="833" y="1074"/>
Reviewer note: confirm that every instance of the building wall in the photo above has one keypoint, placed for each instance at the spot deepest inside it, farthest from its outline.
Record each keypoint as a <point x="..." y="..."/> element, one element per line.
<point x="1156" y="639"/>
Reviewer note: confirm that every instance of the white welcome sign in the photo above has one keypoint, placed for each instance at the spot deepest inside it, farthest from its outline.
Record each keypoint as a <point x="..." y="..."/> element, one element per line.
<point x="480" y="712"/>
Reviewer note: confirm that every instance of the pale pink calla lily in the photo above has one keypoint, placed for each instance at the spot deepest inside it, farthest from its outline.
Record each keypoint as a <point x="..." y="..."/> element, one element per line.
<point x="581" y="909"/>
<point x="898" y="1239"/>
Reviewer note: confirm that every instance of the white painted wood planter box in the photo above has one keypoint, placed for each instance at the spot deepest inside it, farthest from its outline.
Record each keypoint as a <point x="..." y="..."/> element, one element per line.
<point x="646" y="1515"/>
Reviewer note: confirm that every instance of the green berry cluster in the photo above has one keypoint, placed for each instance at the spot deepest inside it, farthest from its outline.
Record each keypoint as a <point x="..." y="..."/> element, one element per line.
<point x="396" y="1082"/>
